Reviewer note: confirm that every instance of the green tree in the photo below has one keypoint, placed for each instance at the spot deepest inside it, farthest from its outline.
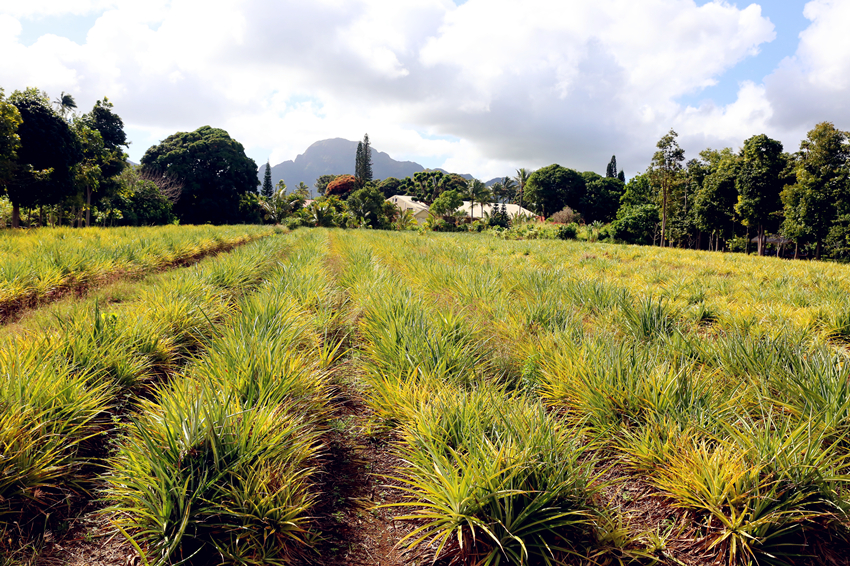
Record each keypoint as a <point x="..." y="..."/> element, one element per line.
<point x="476" y="191"/>
<point x="49" y="150"/>
<point x="666" y="164"/>
<point x="65" y="104"/>
<point x="521" y="178"/>
<point x="636" y="224"/>
<point x="322" y="182"/>
<point x="268" y="189"/>
<point x="601" y="199"/>
<point x="551" y="188"/>
<point x="813" y="203"/>
<point x="638" y="191"/>
<point x="214" y="171"/>
<point x="367" y="205"/>
<point x="302" y="190"/>
<point x="611" y="169"/>
<point x="363" y="161"/>
<point x="714" y="201"/>
<point x="102" y="140"/>
<point x="428" y="185"/>
<point x="10" y="141"/>
<point x="505" y="189"/>
<point x="446" y="204"/>
<point x="88" y="173"/>
<point x="759" y="182"/>
<point x="390" y="187"/>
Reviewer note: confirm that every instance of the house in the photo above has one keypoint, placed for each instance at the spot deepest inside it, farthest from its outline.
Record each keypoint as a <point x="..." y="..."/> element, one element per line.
<point x="486" y="209"/>
<point x="418" y="209"/>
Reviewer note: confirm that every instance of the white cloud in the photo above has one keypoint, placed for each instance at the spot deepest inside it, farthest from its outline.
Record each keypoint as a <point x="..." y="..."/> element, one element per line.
<point x="491" y="85"/>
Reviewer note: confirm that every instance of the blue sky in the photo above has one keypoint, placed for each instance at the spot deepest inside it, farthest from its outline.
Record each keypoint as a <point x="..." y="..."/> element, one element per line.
<point x="477" y="86"/>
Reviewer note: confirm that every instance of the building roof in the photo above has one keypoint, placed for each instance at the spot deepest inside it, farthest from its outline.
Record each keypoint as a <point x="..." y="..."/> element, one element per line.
<point x="405" y="202"/>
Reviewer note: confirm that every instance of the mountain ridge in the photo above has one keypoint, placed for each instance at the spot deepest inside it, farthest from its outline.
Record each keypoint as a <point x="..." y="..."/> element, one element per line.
<point x="335" y="156"/>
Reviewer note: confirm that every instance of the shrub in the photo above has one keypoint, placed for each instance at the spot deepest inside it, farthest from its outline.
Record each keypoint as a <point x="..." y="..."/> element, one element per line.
<point x="635" y="224"/>
<point x="568" y="231"/>
<point x="566" y="216"/>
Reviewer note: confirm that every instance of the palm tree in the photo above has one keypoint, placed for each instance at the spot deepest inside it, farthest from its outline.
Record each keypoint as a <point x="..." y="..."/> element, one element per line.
<point x="477" y="192"/>
<point x="521" y="178"/>
<point x="508" y="187"/>
<point x="65" y="102"/>
<point x="404" y="220"/>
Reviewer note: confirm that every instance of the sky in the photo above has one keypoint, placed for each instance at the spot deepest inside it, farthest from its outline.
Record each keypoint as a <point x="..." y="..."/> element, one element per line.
<point x="476" y="86"/>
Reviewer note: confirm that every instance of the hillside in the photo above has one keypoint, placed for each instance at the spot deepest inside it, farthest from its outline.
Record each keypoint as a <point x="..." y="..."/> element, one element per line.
<point x="336" y="157"/>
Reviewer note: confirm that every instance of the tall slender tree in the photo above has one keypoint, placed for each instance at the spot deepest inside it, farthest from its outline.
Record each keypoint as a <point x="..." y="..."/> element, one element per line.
<point x="268" y="189"/>
<point x="363" y="161"/>
<point x="521" y="178"/>
<point x="611" y="170"/>
<point x="667" y="162"/>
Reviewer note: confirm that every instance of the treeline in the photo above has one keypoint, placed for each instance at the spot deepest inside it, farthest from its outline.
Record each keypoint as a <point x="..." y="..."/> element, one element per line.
<point x="61" y="167"/>
<point x="759" y="198"/>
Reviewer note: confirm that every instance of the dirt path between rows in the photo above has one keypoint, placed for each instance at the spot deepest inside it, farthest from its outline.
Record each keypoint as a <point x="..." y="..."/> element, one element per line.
<point x="13" y="311"/>
<point x="356" y="480"/>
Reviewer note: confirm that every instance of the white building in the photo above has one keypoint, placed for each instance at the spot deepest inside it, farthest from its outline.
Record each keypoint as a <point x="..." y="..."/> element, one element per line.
<point x="485" y="210"/>
<point x="404" y="202"/>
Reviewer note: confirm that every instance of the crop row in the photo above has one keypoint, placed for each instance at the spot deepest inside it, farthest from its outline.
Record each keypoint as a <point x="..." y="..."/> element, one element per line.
<point x="34" y="265"/>
<point x="64" y="386"/>
<point x="734" y="426"/>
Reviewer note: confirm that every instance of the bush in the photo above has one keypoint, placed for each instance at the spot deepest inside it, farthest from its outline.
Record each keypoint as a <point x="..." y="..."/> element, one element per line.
<point x="635" y="224"/>
<point x="567" y="231"/>
<point x="566" y="216"/>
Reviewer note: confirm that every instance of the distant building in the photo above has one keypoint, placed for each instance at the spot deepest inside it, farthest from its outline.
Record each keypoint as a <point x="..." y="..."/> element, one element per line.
<point x="486" y="210"/>
<point x="418" y="209"/>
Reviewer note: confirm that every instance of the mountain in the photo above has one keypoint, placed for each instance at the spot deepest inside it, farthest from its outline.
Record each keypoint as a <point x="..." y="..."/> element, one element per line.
<point x="335" y="157"/>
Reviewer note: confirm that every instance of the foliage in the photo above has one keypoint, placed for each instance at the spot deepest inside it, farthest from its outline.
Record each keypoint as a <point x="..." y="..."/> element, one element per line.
<point x="363" y="162"/>
<point x="322" y="182"/>
<point x="10" y="141"/>
<point x="715" y="200"/>
<point x="601" y="199"/>
<point x="214" y="171"/>
<point x="552" y="188"/>
<point x="821" y="171"/>
<point x="342" y="186"/>
<point x="568" y="231"/>
<point x="446" y="204"/>
<point x="666" y="163"/>
<point x="267" y="189"/>
<point x="367" y="206"/>
<point x="390" y="187"/>
<point x="49" y="150"/>
<point x="565" y="216"/>
<point x="759" y="183"/>
<point x="499" y="218"/>
<point x="636" y="224"/>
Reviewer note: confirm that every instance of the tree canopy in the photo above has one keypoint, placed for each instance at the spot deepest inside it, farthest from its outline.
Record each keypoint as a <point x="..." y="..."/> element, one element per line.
<point x="551" y="188"/>
<point x="49" y="150"/>
<point x="214" y="171"/>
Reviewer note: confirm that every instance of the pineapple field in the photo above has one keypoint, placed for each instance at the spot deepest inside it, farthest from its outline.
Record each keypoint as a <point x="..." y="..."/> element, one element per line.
<point x="330" y="396"/>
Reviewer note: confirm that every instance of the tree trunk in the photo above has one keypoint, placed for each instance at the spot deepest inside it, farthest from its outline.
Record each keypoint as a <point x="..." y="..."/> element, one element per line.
<point x="817" y="249"/>
<point x="747" y="244"/>
<point x="796" y="250"/>
<point x="88" y="207"/>
<point x="664" y="215"/>
<point x="16" y="216"/>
